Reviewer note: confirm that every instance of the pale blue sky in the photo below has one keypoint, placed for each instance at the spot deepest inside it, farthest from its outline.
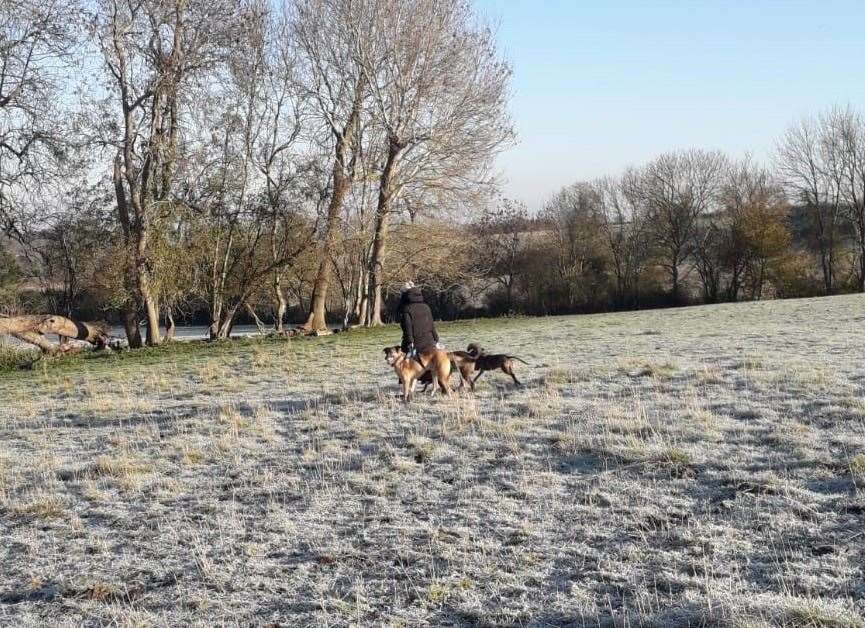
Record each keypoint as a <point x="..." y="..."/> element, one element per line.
<point x="601" y="85"/>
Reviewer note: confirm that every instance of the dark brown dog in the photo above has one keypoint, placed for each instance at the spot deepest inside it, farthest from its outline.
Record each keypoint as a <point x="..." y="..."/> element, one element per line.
<point x="410" y="370"/>
<point x="492" y="362"/>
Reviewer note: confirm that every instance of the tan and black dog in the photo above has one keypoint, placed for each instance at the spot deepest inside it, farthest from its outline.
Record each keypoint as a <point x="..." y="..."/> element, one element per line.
<point x="492" y="362"/>
<point x="410" y="370"/>
<point x="464" y="362"/>
<point x="461" y="362"/>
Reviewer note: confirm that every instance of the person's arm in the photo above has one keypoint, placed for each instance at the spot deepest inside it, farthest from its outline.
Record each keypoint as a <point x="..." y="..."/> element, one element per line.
<point x="407" y="331"/>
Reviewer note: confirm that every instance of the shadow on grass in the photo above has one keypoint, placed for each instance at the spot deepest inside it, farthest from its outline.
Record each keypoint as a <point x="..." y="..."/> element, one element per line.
<point x="688" y="615"/>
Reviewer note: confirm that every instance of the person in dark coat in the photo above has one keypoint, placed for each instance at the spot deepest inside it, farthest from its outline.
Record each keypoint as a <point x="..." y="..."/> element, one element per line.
<point x="415" y="317"/>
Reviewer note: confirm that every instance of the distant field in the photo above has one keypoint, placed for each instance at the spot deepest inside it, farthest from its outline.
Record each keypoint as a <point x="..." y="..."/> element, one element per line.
<point x="692" y="467"/>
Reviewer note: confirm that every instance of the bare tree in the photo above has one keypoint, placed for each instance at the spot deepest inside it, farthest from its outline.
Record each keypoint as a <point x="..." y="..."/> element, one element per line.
<point x="329" y="73"/>
<point x="679" y="188"/>
<point x="438" y="255"/>
<point x="710" y="249"/>
<point x="576" y="216"/>
<point x="753" y="227"/>
<point x="624" y="223"/>
<point x="843" y="131"/>
<point x="291" y="180"/>
<point x="353" y="261"/>
<point x="36" y="37"/>
<point x="152" y="51"/>
<point x="248" y="194"/>
<point x="61" y="253"/>
<point x="502" y="232"/>
<point x="810" y="161"/>
<point x="10" y="276"/>
<point x="439" y="92"/>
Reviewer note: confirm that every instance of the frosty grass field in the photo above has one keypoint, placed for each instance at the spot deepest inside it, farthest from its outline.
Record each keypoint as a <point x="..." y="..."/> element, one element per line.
<point x="693" y="467"/>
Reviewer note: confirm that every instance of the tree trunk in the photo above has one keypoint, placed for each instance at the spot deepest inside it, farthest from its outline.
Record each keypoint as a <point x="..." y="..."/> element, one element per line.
<point x="826" y="237"/>
<point x="170" y="326"/>
<point x="137" y="274"/>
<point x="674" y="276"/>
<point x="361" y="298"/>
<point x="379" y="243"/>
<point x="281" y="305"/>
<point x="259" y="324"/>
<point x="218" y="277"/>
<point x="317" y="313"/>
<point x="131" y="324"/>
<point x="215" y="317"/>
<point x="356" y="315"/>
<point x="826" y="263"/>
<point x="341" y="183"/>
<point x="316" y="319"/>
<point x="151" y="308"/>
<point x="619" y="270"/>
<point x="761" y="277"/>
<point x="228" y="323"/>
<point x="859" y="224"/>
<point x="131" y="317"/>
<point x="734" y="286"/>
<point x="861" y="278"/>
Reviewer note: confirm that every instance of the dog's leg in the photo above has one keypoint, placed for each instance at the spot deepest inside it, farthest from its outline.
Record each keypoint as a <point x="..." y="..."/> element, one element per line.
<point x="464" y="376"/>
<point x="454" y="366"/>
<point x="447" y="369"/>
<point x="477" y="377"/>
<point x="508" y="369"/>
<point x="467" y="377"/>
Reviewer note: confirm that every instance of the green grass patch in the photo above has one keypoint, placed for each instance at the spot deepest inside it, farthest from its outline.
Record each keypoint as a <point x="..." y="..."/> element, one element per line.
<point x="13" y="359"/>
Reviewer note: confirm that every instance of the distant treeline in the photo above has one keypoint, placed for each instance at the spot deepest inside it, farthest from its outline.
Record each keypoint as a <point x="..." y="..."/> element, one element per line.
<point x="224" y="161"/>
<point x="692" y="226"/>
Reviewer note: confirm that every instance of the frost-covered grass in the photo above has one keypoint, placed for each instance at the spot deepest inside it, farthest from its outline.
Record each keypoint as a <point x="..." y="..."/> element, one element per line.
<point x="692" y="467"/>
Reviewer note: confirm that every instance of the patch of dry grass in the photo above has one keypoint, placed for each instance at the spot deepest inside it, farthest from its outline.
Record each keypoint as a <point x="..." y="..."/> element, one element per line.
<point x="39" y="504"/>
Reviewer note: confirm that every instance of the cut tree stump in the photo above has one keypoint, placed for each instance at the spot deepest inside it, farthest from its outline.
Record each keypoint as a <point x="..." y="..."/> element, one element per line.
<point x="33" y="328"/>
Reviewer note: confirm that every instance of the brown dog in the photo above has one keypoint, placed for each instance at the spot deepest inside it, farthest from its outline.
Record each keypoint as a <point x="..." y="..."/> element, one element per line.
<point x="464" y="362"/>
<point x="492" y="362"/>
<point x="461" y="362"/>
<point x="409" y="370"/>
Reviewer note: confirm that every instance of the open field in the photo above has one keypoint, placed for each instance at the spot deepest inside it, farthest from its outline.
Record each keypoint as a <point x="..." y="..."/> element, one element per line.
<point x="692" y="467"/>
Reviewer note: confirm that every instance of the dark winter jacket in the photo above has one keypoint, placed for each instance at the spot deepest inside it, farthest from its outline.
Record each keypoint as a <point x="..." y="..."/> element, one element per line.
<point x="417" y="321"/>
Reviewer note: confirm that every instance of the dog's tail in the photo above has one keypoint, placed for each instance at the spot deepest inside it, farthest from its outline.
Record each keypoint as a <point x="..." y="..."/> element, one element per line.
<point x="513" y="357"/>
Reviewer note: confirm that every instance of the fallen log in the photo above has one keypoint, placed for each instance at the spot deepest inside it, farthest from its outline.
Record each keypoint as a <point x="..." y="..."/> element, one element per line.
<point x="33" y="328"/>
